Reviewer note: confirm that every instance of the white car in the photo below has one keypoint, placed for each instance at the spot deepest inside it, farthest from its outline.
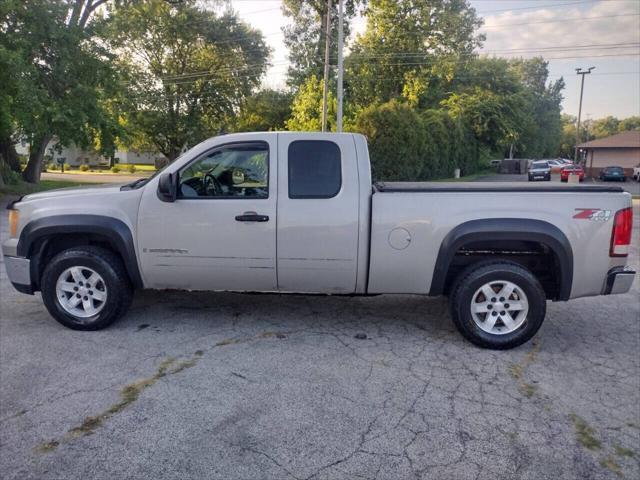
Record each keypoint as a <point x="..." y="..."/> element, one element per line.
<point x="636" y="173"/>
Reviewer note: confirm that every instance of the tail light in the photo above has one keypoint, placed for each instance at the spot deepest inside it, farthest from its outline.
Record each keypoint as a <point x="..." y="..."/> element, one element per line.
<point x="621" y="233"/>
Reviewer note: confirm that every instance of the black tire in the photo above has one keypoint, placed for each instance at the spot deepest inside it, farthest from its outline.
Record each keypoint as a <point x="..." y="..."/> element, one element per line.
<point x="104" y="262"/>
<point x="477" y="275"/>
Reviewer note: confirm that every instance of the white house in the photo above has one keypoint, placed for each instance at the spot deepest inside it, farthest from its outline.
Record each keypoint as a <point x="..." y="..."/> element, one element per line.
<point x="75" y="156"/>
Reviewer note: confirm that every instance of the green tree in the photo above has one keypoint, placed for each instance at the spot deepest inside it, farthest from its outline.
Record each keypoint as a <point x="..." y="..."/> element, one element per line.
<point x="189" y="69"/>
<point x="263" y="111"/>
<point x="306" y="109"/>
<point x="305" y="37"/>
<point x="65" y="73"/>
<point x="404" y="41"/>
<point x="494" y="119"/>
<point x="630" y="123"/>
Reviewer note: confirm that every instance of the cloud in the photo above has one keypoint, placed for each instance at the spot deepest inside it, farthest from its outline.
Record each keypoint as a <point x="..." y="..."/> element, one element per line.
<point x="620" y="23"/>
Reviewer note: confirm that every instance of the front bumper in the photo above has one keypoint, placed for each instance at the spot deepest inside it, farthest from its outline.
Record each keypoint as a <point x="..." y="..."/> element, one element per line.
<point x="619" y="280"/>
<point x="18" y="269"/>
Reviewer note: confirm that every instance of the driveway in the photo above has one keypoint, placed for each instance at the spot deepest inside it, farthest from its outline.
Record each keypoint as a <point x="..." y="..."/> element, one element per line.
<point x="229" y="386"/>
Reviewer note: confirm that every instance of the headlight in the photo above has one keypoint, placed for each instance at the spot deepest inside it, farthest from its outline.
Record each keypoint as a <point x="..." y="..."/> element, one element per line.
<point x="14" y="216"/>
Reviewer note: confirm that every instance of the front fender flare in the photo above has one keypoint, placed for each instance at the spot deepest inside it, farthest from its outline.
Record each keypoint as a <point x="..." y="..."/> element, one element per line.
<point x="116" y="231"/>
<point x="505" y="229"/>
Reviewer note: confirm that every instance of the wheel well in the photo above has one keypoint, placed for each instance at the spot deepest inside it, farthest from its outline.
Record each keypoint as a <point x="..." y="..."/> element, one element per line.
<point x="44" y="249"/>
<point x="537" y="257"/>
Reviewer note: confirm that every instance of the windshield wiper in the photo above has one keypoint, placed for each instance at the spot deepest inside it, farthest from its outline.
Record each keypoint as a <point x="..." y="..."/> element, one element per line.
<point x="135" y="184"/>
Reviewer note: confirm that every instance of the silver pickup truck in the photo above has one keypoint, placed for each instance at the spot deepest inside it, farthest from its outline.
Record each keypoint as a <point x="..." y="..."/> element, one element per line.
<point x="297" y="212"/>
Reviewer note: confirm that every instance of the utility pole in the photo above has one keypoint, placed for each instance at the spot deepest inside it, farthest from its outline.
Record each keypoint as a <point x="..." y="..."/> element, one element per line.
<point x="579" y="71"/>
<point x="325" y="89"/>
<point x="340" y="62"/>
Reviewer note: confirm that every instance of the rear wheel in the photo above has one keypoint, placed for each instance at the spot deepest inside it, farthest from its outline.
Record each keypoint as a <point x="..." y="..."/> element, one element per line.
<point x="86" y="288"/>
<point x="497" y="304"/>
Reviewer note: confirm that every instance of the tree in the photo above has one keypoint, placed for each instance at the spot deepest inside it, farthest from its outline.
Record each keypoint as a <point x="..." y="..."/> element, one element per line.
<point x="189" y="70"/>
<point x="305" y="37"/>
<point x="265" y="110"/>
<point x="404" y="41"/>
<point x="64" y="73"/>
<point x="306" y="109"/>
<point x="494" y="119"/>
<point x="630" y="123"/>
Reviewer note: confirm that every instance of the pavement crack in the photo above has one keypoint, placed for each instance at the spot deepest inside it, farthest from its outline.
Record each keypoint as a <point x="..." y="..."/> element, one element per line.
<point x="128" y="395"/>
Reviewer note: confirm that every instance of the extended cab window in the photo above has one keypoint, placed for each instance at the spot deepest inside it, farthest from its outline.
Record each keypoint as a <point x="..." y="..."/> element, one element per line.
<point x="315" y="169"/>
<point x="233" y="171"/>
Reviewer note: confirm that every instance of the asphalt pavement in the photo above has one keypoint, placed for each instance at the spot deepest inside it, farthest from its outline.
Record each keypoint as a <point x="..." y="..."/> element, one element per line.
<point x="229" y="386"/>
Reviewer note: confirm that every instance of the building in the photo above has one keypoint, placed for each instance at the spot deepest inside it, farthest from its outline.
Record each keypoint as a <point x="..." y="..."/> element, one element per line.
<point x="621" y="150"/>
<point x="76" y="156"/>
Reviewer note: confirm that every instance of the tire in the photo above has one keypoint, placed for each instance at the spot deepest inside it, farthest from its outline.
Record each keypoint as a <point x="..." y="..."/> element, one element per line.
<point x="467" y="290"/>
<point x="98" y="304"/>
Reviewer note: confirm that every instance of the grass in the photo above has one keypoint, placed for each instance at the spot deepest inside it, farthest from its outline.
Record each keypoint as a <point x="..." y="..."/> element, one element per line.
<point x="128" y="394"/>
<point x="584" y="433"/>
<point x="24" y="188"/>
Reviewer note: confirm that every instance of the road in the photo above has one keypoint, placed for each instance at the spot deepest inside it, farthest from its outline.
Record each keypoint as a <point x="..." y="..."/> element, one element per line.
<point x="229" y="386"/>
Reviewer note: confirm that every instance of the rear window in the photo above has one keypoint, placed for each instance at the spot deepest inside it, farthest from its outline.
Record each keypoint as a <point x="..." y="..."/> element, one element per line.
<point x="540" y="165"/>
<point x="315" y="169"/>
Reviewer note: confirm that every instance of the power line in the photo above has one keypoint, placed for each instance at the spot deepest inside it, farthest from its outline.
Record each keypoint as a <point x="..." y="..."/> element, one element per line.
<point x="571" y="19"/>
<point x="554" y="5"/>
<point x="197" y="76"/>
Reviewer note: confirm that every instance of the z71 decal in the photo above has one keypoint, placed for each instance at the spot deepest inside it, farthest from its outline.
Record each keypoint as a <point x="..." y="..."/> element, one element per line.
<point x="593" y="214"/>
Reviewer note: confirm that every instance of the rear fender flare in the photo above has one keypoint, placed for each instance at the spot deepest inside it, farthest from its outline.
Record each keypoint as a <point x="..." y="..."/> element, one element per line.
<point x="505" y="229"/>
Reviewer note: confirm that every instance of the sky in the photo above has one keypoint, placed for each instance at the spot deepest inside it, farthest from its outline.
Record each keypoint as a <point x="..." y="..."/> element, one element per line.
<point x="604" y="34"/>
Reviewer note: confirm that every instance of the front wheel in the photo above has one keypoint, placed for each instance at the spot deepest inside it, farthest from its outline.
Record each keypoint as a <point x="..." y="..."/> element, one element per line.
<point x="497" y="304"/>
<point x="86" y="288"/>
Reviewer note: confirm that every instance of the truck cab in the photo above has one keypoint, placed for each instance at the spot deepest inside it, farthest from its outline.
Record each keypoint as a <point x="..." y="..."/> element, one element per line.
<point x="260" y="212"/>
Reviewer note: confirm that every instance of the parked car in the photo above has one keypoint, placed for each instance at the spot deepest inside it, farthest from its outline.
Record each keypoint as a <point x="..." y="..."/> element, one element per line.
<point x="636" y="173"/>
<point x="571" y="170"/>
<point x="556" y="165"/>
<point x="612" y="174"/>
<point x="212" y="218"/>
<point x="566" y="161"/>
<point x="539" y="170"/>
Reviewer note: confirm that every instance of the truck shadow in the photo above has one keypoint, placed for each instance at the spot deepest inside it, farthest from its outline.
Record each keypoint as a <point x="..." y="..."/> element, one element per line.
<point x="166" y="310"/>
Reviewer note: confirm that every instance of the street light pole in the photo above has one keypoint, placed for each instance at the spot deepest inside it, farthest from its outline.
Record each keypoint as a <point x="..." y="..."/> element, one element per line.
<point x="579" y="71"/>
<point x="325" y="89"/>
<point x="340" y="62"/>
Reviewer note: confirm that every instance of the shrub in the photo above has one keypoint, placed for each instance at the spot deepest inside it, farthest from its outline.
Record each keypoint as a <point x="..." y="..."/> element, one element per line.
<point x="53" y="166"/>
<point x="396" y="141"/>
<point x="84" y="167"/>
<point x="131" y="168"/>
<point x="67" y="166"/>
<point x="115" y="169"/>
<point x="408" y="145"/>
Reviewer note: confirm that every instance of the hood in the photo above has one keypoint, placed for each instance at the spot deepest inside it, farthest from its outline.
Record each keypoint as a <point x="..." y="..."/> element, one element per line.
<point x="73" y="191"/>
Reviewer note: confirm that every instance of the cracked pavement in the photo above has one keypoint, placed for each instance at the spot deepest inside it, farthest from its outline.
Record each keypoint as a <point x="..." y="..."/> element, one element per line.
<point x="277" y="387"/>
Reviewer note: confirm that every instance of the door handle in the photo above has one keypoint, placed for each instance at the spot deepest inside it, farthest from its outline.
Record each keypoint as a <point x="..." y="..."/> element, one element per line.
<point x="251" y="217"/>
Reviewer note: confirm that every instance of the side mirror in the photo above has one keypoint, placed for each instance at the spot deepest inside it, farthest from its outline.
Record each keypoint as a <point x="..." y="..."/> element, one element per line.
<point x="168" y="187"/>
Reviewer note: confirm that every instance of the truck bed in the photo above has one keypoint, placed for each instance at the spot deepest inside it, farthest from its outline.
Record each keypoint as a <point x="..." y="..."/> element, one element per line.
<point x="435" y="187"/>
